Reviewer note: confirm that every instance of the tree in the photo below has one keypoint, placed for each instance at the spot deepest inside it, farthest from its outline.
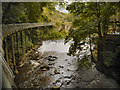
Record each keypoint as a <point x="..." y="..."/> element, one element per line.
<point x="22" y="12"/>
<point x="91" y="18"/>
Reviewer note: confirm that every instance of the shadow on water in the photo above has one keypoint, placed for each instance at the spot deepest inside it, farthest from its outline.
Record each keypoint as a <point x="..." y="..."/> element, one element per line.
<point x="55" y="68"/>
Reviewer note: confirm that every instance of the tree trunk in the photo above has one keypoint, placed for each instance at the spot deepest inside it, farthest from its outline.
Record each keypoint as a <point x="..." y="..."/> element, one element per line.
<point x="90" y="43"/>
<point x="100" y="46"/>
<point x="5" y="12"/>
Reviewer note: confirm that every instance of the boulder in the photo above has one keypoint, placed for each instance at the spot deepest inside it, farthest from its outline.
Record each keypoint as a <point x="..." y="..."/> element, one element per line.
<point x="56" y="72"/>
<point x="44" y="68"/>
<point x="51" y="58"/>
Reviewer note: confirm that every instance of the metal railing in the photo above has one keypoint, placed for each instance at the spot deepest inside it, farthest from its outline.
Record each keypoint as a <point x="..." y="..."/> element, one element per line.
<point x="6" y="31"/>
<point x="12" y="28"/>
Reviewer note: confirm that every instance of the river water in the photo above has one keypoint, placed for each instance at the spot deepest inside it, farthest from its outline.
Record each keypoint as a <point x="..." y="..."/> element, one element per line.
<point x="53" y="68"/>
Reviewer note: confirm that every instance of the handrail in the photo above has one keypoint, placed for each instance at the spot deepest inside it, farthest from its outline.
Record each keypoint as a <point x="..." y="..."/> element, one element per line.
<point x="9" y="74"/>
<point x="8" y="29"/>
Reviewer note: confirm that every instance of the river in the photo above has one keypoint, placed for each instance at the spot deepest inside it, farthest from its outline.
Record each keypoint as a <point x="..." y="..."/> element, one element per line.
<point x="53" y="68"/>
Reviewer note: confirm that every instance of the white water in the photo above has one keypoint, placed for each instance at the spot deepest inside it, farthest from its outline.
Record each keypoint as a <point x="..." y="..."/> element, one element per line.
<point x="55" y="45"/>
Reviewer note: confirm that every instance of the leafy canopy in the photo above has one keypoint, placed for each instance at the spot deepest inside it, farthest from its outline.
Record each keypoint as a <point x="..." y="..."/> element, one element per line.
<point x="90" y="18"/>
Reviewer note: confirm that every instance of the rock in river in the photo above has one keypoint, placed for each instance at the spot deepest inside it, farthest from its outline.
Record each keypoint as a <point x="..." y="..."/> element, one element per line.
<point x="35" y="56"/>
<point x="44" y="68"/>
<point x="56" y="72"/>
<point x="51" y="58"/>
<point x="61" y="66"/>
<point x="51" y="63"/>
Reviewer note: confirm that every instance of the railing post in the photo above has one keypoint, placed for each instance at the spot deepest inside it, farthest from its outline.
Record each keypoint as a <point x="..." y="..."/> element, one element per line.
<point x="17" y="41"/>
<point x="13" y="53"/>
<point x="6" y="50"/>
<point x="21" y="39"/>
<point x="25" y="41"/>
<point x="32" y="36"/>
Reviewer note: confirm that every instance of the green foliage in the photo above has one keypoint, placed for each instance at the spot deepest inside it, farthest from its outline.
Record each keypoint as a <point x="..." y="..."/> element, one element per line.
<point x="54" y="34"/>
<point x="70" y="17"/>
<point x="85" y="63"/>
<point x="90" y="19"/>
<point x="22" y="12"/>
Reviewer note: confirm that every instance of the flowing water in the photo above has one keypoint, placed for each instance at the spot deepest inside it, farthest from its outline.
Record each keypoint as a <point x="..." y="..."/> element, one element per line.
<point x="53" y="68"/>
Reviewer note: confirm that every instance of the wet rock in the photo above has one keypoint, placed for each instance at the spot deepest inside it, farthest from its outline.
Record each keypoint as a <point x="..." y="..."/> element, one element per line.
<point x="65" y="59"/>
<point x="54" y="57"/>
<point x="69" y="64"/>
<point x="68" y="82"/>
<point x="77" y="86"/>
<point x="73" y="78"/>
<point x="44" y="68"/>
<point x="56" y="72"/>
<point x="34" y="63"/>
<point x="68" y="69"/>
<point x="51" y="58"/>
<point x="31" y="84"/>
<point x="35" y="56"/>
<point x="51" y="74"/>
<point x="51" y="63"/>
<point x="76" y="70"/>
<point x="57" y="81"/>
<point x="61" y="66"/>
<point x="68" y="77"/>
